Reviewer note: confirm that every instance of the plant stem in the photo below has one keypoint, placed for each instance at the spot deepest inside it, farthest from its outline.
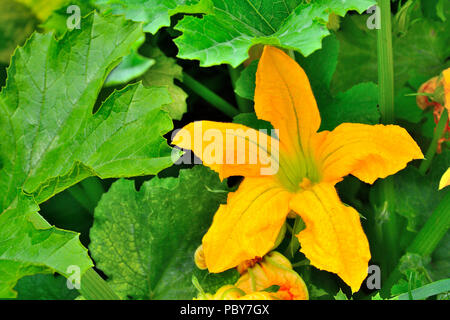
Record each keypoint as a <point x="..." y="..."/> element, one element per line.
<point x="204" y="92"/>
<point x="244" y="105"/>
<point x="93" y="287"/>
<point x="427" y="239"/>
<point x="385" y="64"/>
<point x="386" y="103"/>
<point x="438" y="133"/>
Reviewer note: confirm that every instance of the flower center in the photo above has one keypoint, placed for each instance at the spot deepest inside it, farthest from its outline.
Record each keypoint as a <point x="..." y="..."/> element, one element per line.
<point x="299" y="172"/>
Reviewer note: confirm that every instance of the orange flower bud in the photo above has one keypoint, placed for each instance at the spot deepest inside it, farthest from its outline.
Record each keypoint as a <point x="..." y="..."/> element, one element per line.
<point x="428" y="87"/>
<point x="274" y="270"/>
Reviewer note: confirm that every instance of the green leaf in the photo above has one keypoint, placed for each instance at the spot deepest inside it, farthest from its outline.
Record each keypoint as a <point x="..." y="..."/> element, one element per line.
<point x="246" y="84"/>
<point x="320" y="68"/>
<point x="163" y="73"/>
<point x="131" y="67"/>
<point x="340" y="296"/>
<point x="422" y="50"/>
<point x="429" y="290"/>
<point x="44" y="287"/>
<point x="145" y="240"/>
<point x="417" y="197"/>
<point x="50" y="138"/>
<point x="357" y="105"/>
<point x="406" y="107"/>
<point x="18" y="22"/>
<point x="29" y="245"/>
<point x="154" y="13"/>
<point x="226" y="35"/>
<point x="439" y="267"/>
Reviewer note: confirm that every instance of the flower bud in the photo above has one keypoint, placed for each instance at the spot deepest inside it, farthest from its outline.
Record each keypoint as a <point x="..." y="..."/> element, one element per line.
<point x="199" y="258"/>
<point x="429" y="87"/>
<point x="274" y="270"/>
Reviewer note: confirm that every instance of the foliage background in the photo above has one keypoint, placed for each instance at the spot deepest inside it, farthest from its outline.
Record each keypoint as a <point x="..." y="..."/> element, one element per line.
<point x="139" y="230"/>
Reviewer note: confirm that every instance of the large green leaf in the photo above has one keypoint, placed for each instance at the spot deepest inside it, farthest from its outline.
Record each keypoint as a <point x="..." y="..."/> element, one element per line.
<point x="50" y="137"/>
<point x="163" y="73"/>
<point x="145" y="240"/>
<point x="423" y="50"/>
<point x="29" y="245"/>
<point x="226" y="35"/>
<point x="154" y="13"/>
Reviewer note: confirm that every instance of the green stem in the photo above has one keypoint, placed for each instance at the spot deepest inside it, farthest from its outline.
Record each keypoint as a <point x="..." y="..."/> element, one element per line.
<point x="385" y="64"/>
<point x="93" y="287"/>
<point x="244" y="105"/>
<point x="211" y="97"/>
<point x="427" y="239"/>
<point x="438" y="133"/>
<point x="386" y="103"/>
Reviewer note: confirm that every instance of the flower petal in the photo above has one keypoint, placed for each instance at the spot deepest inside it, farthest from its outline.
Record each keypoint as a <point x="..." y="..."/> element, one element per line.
<point x="446" y="74"/>
<point x="248" y="225"/>
<point x="283" y="96"/>
<point x="445" y="180"/>
<point x="333" y="239"/>
<point x="365" y="151"/>
<point x="230" y="149"/>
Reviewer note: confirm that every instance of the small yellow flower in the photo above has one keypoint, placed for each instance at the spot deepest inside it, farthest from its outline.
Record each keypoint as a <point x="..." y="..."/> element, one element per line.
<point x="310" y="164"/>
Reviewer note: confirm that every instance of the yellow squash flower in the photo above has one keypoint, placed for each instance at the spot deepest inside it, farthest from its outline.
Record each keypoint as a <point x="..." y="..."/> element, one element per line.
<point x="445" y="180"/>
<point x="310" y="164"/>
